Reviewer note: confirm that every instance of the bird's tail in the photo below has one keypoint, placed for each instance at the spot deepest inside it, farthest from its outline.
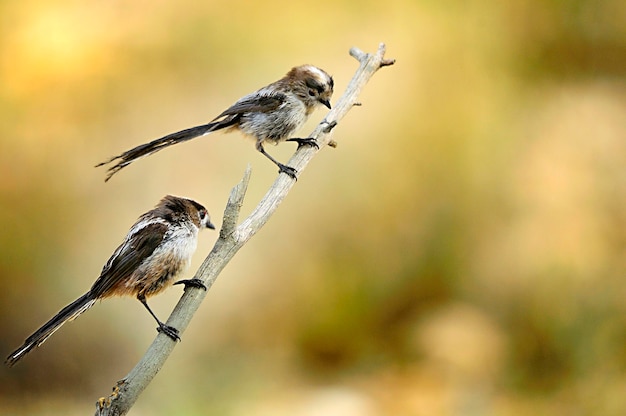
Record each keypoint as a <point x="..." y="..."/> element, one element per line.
<point x="154" y="146"/>
<point x="68" y="313"/>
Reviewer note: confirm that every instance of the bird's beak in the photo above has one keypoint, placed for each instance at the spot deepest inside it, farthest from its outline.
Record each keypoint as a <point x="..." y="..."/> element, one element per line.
<point x="326" y="103"/>
<point x="210" y="225"/>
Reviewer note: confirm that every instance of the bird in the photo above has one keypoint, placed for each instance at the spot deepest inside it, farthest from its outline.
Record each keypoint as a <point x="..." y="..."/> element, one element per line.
<point x="157" y="249"/>
<point x="269" y="115"/>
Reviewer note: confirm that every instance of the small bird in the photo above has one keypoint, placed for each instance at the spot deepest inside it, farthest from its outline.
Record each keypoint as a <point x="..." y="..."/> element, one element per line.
<point x="156" y="250"/>
<point x="271" y="114"/>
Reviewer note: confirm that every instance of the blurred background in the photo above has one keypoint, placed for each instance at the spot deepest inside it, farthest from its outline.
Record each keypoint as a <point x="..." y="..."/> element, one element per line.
<point x="462" y="252"/>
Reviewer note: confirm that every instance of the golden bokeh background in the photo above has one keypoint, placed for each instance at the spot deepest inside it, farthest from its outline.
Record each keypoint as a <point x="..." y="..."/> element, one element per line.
<point x="462" y="252"/>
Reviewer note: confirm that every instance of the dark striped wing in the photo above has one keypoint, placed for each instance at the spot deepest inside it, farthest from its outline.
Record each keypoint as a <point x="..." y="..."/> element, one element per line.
<point x="258" y="103"/>
<point x="128" y="257"/>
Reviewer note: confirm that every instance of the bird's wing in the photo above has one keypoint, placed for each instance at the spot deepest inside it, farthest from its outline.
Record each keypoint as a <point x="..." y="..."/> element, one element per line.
<point x="258" y="103"/>
<point x="128" y="256"/>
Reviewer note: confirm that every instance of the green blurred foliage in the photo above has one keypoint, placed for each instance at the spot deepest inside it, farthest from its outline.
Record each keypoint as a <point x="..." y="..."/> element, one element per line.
<point x="461" y="252"/>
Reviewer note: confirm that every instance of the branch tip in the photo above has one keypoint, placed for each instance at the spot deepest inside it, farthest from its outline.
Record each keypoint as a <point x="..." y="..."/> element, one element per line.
<point x="358" y="54"/>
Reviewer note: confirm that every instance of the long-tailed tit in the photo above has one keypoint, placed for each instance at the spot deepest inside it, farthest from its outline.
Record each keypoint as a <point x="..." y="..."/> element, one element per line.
<point x="156" y="250"/>
<point x="271" y="114"/>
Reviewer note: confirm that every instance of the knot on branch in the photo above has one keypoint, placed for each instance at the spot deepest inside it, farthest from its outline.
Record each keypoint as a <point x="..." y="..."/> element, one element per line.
<point x="104" y="404"/>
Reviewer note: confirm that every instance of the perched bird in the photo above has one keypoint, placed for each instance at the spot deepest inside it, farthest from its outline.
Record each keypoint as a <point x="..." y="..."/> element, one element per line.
<point x="156" y="250"/>
<point x="271" y="114"/>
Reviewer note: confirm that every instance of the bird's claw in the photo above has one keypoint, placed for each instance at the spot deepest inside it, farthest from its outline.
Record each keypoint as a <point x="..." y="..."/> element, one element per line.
<point x="170" y="331"/>
<point x="309" y="141"/>
<point x="197" y="283"/>
<point x="330" y="125"/>
<point x="291" y="172"/>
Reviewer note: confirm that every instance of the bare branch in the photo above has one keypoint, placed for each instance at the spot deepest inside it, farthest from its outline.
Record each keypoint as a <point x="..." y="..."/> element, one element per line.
<point x="233" y="237"/>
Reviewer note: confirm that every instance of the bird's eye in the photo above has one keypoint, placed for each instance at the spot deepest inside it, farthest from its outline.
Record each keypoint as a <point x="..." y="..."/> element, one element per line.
<point x="312" y="92"/>
<point x="202" y="214"/>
